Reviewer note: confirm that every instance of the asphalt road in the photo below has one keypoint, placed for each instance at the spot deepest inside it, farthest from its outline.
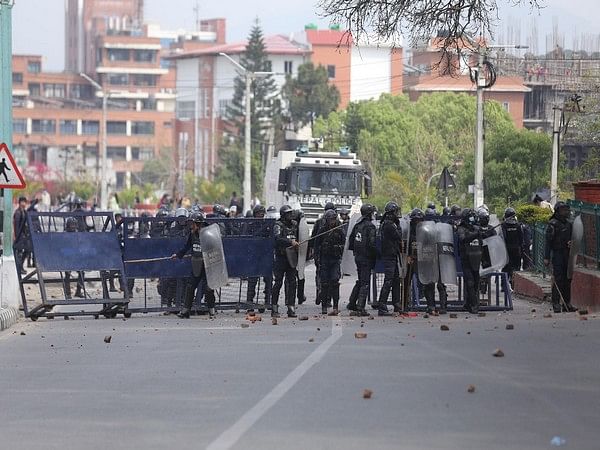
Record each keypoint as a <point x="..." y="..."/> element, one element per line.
<point x="163" y="382"/>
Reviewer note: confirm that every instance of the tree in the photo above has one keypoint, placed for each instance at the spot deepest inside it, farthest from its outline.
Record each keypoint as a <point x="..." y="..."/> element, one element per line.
<point x="310" y="95"/>
<point x="264" y="113"/>
<point x="419" y="20"/>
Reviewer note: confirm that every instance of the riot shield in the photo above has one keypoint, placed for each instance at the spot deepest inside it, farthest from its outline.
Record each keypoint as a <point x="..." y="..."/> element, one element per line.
<point x="405" y="228"/>
<point x="348" y="265"/>
<point x="214" y="257"/>
<point x="445" y="248"/>
<point x="303" y="235"/>
<point x="494" y="254"/>
<point x="576" y="245"/>
<point x="427" y="256"/>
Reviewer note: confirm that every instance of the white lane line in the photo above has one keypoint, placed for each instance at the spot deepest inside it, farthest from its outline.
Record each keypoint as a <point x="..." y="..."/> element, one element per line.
<point x="233" y="434"/>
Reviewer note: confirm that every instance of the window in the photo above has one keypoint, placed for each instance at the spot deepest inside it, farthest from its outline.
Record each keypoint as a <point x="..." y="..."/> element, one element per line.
<point x="142" y="128"/>
<point x="17" y="78"/>
<point x="56" y="90"/>
<point x="268" y="66"/>
<point x="186" y="110"/>
<point x="223" y="107"/>
<point x="118" y="79"/>
<point x="43" y="126"/>
<point x="68" y="127"/>
<point x="90" y="127"/>
<point x="144" y="55"/>
<point x="34" y="66"/>
<point x="113" y="127"/>
<point x="142" y="153"/>
<point x="20" y="126"/>
<point x="149" y="103"/>
<point x="120" y="177"/>
<point x="288" y="67"/>
<point x="331" y="71"/>
<point x="143" y="80"/>
<point x="506" y="106"/>
<point x="81" y="91"/>
<point x="118" y="54"/>
<point x="34" y="89"/>
<point x="117" y="153"/>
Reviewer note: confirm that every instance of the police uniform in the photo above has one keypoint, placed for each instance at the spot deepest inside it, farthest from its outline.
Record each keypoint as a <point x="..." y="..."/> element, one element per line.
<point x="362" y="243"/>
<point x="558" y="238"/>
<point x="258" y="229"/>
<point x="512" y="232"/>
<point x="391" y="246"/>
<point x="470" y="250"/>
<point x="285" y="233"/>
<point x="330" y="248"/>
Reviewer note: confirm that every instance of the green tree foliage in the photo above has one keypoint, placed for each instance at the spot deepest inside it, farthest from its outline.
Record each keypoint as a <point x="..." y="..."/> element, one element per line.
<point x="264" y="116"/>
<point x="531" y="214"/>
<point x="205" y="191"/>
<point x="310" y="95"/>
<point x="157" y="171"/>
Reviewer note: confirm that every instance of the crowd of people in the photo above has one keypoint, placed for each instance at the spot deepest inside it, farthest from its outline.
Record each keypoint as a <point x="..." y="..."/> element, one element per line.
<point x="389" y="237"/>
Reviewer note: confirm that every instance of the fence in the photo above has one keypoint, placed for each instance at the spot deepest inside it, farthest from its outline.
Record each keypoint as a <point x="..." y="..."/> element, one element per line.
<point x="539" y="247"/>
<point x="590" y="216"/>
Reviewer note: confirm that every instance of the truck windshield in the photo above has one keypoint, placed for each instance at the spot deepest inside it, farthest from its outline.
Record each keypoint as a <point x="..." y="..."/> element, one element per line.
<point x="316" y="181"/>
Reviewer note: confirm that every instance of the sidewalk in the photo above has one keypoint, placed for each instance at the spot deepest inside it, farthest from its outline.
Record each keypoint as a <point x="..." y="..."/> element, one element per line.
<point x="533" y="286"/>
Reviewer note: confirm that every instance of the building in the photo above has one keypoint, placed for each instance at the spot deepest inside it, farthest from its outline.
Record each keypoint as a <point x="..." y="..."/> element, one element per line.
<point x="360" y="70"/>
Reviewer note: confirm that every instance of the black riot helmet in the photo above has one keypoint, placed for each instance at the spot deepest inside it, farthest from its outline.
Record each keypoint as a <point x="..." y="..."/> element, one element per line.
<point x="162" y="212"/>
<point x="344" y="212"/>
<point x="218" y="210"/>
<point x="329" y="205"/>
<point x="445" y="211"/>
<point x="417" y="214"/>
<point x="392" y="208"/>
<point x="509" y="212"/>
<point x="71" y="224"/>
<point x="330" y="215"/>
<point x="367" y="210"/>
<point x="483" y="216"/>
<point x="468" y="216"/>
<point x="455" y="210"/>
<point x="198" y="218"/>
<point x="250" y="214"/>
<point x="431" y="205"/>
<point x="259" y="211"/>
<point x="285" y="212"/>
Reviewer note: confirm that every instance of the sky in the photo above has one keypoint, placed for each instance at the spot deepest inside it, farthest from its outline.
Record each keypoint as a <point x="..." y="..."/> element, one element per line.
<point x="38" y="25"/>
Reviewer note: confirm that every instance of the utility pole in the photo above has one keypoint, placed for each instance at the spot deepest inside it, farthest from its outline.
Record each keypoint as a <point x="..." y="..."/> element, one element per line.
<point x="556" y="128"/>
<point x="250" y="76"/>
<point x="478" y="195"/>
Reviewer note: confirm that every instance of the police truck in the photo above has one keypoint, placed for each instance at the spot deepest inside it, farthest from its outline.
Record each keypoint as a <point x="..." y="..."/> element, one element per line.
<point x="308" y="180"/>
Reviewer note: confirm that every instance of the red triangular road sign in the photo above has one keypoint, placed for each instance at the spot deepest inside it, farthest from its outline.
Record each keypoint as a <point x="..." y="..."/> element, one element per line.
<point x="10" y="175"/>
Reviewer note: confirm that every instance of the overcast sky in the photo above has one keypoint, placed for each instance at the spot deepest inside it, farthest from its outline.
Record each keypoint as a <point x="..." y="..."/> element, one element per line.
<point x="38" y="25"/>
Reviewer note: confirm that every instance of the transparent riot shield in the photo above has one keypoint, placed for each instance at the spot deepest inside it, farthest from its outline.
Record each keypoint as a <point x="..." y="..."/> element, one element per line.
<point x="303" y="235"/>
<point x="494" y="254"/>
<point x="348" y="265"/>
<point x="405" y="228"/>
<point x="576" y="245"/>
<point x="214" y="257"/>
<point x="445" y="248"/>
<point x="427" y="253"/>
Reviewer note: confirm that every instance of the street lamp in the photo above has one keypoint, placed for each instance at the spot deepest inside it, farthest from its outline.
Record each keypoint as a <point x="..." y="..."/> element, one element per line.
<point x="250" y="76"/>
<point x="104" y="168"/>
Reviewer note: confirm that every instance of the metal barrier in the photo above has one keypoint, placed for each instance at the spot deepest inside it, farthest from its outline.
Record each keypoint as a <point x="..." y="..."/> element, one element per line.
<point x="91" y="250"/>
<point x="149" y="242"/>
<point x="539" y="248"/>
<point x="590" y="216"/>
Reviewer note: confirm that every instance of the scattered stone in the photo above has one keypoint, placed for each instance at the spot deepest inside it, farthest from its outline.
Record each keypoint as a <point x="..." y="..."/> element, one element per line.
<point x="22" y="333"/>
<point x="471" y="388"/>
<point x="425" y="316"/>
<point x="510" y="326"/>
<point x="367" y="393"/>
<point x="359" y="335"/>
<point x="107" y="339"/>
<point x="43" y="337"/>
<point x="274" y="320"/>
<point x="582" y="317"/>
<point x="481" y="314"/>
<point x="251" y="313"/>
<point x="66" y="317"/>
<point x="244" y="325"/>
<point x="371" y="318"/>
<point x="498" y="353"/>
<point x="444" y="328"/>
<point x="532" y="310"/>
<point x="547" y="316"/>
<point x="468" y="332"/>
<point x="583" y="312"/>
<point x="311" y="340"/>
<point x="318" y="329"/>
<point x="453" y="316"/>
<point x="303" y="318"/>
<point x="435" y="314"/>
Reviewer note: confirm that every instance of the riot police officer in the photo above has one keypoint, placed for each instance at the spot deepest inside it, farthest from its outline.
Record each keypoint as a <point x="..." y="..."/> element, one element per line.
<point x="470" y="250"/>
<point x="512" y="232"/>
<point x="258" y="212"/>
<point x="297" y="216"/>
<point x="391" y="248"/>
<point x="319" y="224"/>
<point x="285" y="237"/>
<point x="558" y="245"/>
<point x="429" y="289"/>
<point x="455" y="215"/>
<point x="483" y="218"/>
<point x="362" y="243"/>
<point x="198" y="278"/>
<point x="330" y="248"/>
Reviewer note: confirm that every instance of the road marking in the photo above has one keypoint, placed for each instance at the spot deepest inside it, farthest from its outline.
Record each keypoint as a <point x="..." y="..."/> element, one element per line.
<point x="233" y="434"/>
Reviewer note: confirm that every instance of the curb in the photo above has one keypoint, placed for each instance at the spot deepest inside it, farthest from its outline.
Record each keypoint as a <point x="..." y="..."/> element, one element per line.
<point x="8" y="317"/>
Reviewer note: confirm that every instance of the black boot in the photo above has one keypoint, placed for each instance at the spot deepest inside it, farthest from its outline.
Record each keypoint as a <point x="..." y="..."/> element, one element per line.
<point x="291" y="312"/>
<point x="556" y="308"/>
<point x="275" y="311"/>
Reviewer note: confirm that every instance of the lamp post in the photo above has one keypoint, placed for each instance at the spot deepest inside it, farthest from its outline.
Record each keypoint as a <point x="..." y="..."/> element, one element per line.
<point x="250" y="76"/>
<point x="104" y="163"/>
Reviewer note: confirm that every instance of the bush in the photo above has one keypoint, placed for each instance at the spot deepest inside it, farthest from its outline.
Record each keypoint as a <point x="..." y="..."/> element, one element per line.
<point x="530" y="214"/>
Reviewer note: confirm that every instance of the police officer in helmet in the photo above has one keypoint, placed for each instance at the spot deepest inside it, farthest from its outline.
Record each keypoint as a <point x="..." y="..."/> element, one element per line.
<point x="512" y="232"/>
<point x="470" y="249"/>
<point x="391" y="248"/>
<point x="317" y="229"/>
<point x="259" y="212"/>
<point x="198" y="278"/>
<point x="285" y="237"/>
<point x="362" y="243"/>
<point x="558" y="245"/>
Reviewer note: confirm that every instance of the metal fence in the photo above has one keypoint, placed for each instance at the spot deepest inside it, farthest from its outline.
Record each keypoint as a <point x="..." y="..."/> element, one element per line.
<point x="590" y="216"/>
<point x="539" y="247"/>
